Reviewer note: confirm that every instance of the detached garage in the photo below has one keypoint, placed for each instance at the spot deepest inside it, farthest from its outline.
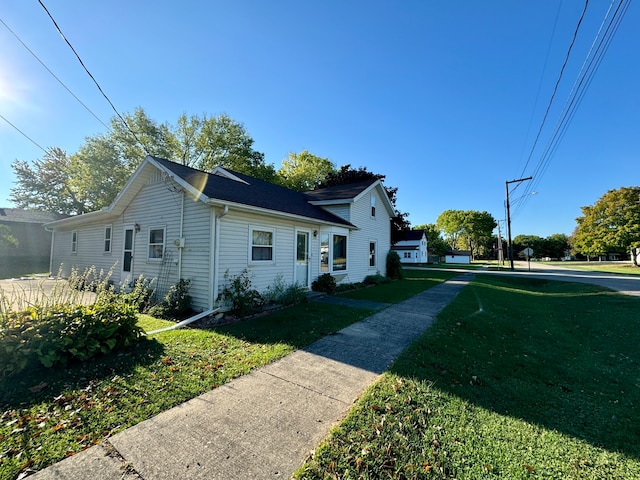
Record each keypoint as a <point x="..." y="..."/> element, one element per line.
<point x="458" y="256"/>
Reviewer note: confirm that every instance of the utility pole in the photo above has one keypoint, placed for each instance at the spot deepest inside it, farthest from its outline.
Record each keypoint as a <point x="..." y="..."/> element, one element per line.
<point x="509" y="215"/>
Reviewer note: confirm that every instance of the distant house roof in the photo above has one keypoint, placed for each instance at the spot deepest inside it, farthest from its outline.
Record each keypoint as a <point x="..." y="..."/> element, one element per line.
<point x="461" y="253"/>
<point x="412" y="235"/>
<point x="19" y="215"/>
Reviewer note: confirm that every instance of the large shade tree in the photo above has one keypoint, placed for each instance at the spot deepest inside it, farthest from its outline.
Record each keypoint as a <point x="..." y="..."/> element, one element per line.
<point x="91" y="178"/>
<point x="303" y="171"/>
<point x="610" y="224"/>
<point x="470" y="228"/>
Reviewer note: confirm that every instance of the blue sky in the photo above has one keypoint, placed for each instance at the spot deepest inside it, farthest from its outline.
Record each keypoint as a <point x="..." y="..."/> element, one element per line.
<point x="444" y="98"/>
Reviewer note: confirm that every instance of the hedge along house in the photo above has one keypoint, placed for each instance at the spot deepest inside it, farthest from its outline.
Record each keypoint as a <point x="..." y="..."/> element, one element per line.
<point x="171" y="221"/>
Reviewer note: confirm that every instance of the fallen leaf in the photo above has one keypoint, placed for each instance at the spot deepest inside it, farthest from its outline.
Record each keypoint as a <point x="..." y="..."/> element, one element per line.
<point x="37" y="388"/>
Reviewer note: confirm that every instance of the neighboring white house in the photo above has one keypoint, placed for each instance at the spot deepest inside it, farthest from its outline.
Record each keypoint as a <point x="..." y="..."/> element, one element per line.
<point x="413" y="247"/>
<point x="171" y="222"/>
<point x="458" y="256"/>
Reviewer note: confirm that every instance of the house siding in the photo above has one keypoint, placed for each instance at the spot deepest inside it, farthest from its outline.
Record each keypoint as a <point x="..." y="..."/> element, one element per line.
<point x="341" y="210"/>
<point x="155" y="205"/>
<point x="371" y="229"/>
<point x="235" y="250"/>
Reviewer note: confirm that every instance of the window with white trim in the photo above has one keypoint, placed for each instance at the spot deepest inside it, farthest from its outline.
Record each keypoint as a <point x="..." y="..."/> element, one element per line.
<point x="373" y="206"/>
<point x="261" y="244"/>
<point x="333" y="252"/>
<point x="74" y="241"/>
<point x="157" y="236"/>
<point x="107" y="238"/>
<point x="372" y="254"/>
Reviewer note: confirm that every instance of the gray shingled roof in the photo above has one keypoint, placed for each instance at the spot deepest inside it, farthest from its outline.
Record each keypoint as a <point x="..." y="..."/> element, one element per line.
<point x="412" y="235"/>
<point x="339" y="192"/>
<point x="19" y="215"/>
<point x="255" y="193"/>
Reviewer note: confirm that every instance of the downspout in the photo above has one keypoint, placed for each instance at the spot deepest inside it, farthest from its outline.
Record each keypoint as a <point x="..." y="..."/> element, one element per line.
<point x="180" y="244"/>
<point x="216" y="254"/>
<point x="184" y="322"/>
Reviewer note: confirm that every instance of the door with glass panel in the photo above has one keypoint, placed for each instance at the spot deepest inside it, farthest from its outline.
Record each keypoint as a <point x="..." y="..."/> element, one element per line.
<point x="302" y="258"/>
<point x="127" y="253"/>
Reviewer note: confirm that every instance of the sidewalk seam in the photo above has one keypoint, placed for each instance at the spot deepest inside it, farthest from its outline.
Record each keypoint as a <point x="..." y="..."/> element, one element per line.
<point x="307" y="388"/>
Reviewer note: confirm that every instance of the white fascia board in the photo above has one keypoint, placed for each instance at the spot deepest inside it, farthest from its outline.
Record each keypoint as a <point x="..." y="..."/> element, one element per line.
<point x="273" y="213"/>
<point x="226" y="174"/>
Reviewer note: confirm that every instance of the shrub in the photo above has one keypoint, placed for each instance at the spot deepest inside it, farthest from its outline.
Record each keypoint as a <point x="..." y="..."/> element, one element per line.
<point x="281" y="293"/>
<point x="176" y="303"/>
<point x="376" y="279"/>
<point x="239" y="293"/>
<point x="63" y="333"/>
<point x="325" y="283"/>
<point x="140" y="295"/>
<point x="394" y="266"/>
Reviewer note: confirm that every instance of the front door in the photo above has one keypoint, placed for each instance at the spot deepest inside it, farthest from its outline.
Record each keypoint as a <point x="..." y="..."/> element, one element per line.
<point x="127" y="253"/>
<point x="302" y="258"/>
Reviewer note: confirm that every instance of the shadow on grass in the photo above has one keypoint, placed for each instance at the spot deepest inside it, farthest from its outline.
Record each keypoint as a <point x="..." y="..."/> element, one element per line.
<point x="560" y="355"/>
<point x="39" y="384"/>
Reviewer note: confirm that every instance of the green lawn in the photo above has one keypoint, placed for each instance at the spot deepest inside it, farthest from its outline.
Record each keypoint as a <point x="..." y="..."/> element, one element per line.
<point x="49" y="414"/>
<point x="595" y="266"/>
<point x="517" y="378"/>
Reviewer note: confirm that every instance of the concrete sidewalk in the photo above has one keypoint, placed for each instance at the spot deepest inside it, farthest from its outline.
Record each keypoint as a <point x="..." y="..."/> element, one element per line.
<point x="263" y="425"/>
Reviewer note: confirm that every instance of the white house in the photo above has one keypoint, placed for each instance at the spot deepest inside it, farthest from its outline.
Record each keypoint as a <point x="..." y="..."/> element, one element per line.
<point x="457" y="256"/>
<point x="413" y="247"/>
<point x="171" y="222"/>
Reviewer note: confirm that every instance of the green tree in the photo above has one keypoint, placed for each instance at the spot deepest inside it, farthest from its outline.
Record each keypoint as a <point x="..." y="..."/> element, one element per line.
<point x="612" y="223"/>
<point x="6" y="238"/>
<point x="45" y="184"/>
<point x="92" y="177"/>
<point x="478" y="231"/>
<point x="435" y="243"/>
<point x="556" y="245"/>
<point x="303" y="171"/>
<point x="452" y="224"/>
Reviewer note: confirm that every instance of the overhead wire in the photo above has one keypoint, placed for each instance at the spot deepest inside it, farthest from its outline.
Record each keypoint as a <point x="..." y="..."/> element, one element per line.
<point x="592" y="61"/>
<point x="24" y="134"/>
<point x="53" y="74"/>
<point x="125" y="123"/>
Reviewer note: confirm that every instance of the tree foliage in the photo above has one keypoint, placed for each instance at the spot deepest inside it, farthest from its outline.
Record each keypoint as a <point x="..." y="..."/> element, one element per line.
<point x="92" y="177"/>
<point x="435" y="243"/>
<point x="6" y="238"/>
<point x="303" y="171"/>
<point x="471" y="228"/>
<point x="611" y="224"/>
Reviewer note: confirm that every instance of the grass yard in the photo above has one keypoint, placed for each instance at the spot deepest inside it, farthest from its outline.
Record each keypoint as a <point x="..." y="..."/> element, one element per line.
<point x="415" y="282"/>
<point x="46" y="415"/>
<point x="518" y="378"/>
<point x="626" y="268"/>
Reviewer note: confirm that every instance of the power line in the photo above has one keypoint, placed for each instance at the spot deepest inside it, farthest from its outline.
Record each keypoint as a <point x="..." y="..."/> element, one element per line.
<point x="589" y="67"/>
<point x="24" y="134"/>
<point x="555" y="89"/>
<point x="53" y="74"/>
<point x="126" y="124"/>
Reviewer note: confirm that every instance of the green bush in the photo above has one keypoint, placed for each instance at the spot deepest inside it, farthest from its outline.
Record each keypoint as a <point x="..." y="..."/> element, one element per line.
<point x="176" y="303"/>
<point x="140" y="295"/>
<point x="63" y="333"/>
<point x="376" y="279"/>
<point x="325" y="283"/>
<point x="394" y="266"/>
<point x="281" y="293"/>
<point x="240" y="294"/>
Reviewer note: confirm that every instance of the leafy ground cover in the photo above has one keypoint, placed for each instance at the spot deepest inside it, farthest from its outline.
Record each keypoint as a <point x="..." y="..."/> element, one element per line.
<point x="517" y="378"/>
<point x="47" y="415"/>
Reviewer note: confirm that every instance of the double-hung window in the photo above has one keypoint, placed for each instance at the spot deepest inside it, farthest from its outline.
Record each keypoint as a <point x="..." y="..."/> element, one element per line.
<point x="372" y="254"/>
<point x="74" y="241"/>
<point x="261" y="244"/>
<point x="157" y="236"/>
<point x="107" y="239"/>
